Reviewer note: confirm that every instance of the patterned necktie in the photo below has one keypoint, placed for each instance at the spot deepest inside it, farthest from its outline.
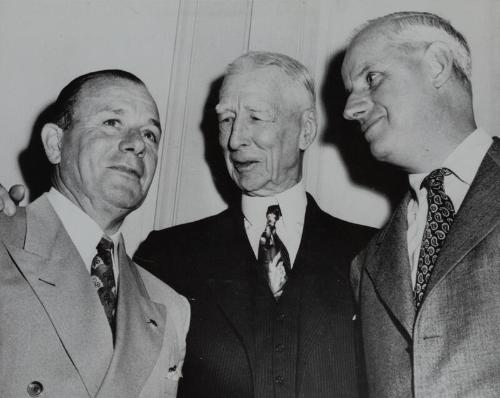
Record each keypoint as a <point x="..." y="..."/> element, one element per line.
<point x="440" y="216"/>
<point x="103" y="278"/>
<point x="273" y="255"/>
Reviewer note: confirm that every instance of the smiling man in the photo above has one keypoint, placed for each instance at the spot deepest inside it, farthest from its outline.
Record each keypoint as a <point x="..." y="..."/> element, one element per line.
<point x="77" y="317"/>
<point x="427" y="284"/>
<point x="267" y="279"/>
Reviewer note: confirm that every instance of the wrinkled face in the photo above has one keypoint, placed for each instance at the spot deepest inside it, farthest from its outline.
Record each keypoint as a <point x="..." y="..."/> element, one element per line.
<point x="390" y="97"/>
<point x="260" y="127"/>
<point x="109" y="153"/>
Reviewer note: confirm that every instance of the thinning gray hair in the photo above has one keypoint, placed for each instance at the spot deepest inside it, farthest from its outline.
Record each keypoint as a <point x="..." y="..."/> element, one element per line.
<point x="413" y="27"/>
<point x="290" y="66"/>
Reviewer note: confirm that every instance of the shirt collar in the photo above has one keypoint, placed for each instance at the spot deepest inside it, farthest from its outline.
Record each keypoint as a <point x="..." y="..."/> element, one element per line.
<point x="464" y="161"/>
<point x="292" y="203"/>
<point x="84" y="232"/>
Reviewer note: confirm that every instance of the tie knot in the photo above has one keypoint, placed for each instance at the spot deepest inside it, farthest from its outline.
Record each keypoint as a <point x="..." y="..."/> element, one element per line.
<point x="435" y="179"/>
<point x="273" y="214"/>
<point x="105" y="245"/>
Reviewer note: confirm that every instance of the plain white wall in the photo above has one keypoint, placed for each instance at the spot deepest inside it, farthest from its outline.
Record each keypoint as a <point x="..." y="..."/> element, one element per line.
<point x="179" y="48"/>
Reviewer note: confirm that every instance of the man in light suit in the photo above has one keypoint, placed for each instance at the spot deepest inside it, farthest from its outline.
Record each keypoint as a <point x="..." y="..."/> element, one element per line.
<point x="263" y="325"/>
<point x="77" y="317"/>
<point x="428" y="283"/>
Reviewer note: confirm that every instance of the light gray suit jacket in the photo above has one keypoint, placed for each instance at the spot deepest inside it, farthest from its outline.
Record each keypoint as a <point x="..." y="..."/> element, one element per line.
<point x="53" y="330"/>
<point x="451" y="347"/>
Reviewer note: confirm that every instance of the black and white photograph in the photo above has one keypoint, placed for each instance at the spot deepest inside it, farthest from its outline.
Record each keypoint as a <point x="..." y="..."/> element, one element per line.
<point x="249" y="198"/>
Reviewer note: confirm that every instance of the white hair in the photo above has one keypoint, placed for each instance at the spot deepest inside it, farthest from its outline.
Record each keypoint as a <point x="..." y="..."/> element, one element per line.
<point x="413" y="28"/>
<point x="290" y="66"/>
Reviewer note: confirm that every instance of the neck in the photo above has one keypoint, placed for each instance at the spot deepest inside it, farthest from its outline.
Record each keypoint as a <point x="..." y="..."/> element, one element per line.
<point x="108" y="218"/>
<point x="435" y="151"/>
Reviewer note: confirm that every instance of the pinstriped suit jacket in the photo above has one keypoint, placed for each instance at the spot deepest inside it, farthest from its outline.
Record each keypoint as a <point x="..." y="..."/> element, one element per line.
<point x="212" y="263"/>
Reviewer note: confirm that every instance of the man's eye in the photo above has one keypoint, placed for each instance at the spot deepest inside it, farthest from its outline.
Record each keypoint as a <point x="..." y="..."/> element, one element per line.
<point x="372" y="78"/>
<point x="255" y="117"/>
<point x="226" y="120"/>
<point x="150" y="136"/>
<point x="112" y="123"/>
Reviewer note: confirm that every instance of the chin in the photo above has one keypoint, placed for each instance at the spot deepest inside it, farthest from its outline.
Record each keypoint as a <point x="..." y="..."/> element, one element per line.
<point x="125" y="198"/>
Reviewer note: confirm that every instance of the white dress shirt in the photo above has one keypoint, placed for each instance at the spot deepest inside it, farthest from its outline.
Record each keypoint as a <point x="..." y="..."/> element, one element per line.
<point x="84" y="232"/>
<point x="464" y="162"/>
<point x="292" y="203"/>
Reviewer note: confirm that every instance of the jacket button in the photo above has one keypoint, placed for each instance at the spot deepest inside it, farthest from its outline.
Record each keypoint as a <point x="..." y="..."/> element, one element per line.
<point x="35" y="388"/>
<point x="279" y="347"/>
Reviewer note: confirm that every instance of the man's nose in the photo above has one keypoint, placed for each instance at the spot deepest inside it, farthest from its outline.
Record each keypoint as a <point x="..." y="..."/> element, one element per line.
<point x="239" y="134"/>
<point x="356" y="107"/>
<point x="133" y="141"/>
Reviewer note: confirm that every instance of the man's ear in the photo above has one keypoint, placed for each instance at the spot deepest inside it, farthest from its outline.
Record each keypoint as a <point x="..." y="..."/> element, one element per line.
<point x="440" y="60"/>
<point x="51" y="139"/>
<point x="309" y="126"/>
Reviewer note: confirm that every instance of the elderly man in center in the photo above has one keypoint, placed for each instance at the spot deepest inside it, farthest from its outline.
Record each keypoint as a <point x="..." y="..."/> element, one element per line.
<point x="272" y="310"/>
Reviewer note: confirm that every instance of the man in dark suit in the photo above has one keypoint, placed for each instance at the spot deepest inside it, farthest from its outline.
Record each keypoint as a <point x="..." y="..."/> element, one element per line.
<point x="77" y="317"/>
<point x="272" y="311"/>
<point x="428" y="283"/>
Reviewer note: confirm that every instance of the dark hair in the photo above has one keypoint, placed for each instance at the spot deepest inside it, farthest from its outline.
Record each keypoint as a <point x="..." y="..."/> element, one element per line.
<point x="63" y="108"/>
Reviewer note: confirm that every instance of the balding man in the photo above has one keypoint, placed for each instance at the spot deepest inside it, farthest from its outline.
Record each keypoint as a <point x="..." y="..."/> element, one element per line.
<point x="428" y="283"/>
<point x="77" y="317"/>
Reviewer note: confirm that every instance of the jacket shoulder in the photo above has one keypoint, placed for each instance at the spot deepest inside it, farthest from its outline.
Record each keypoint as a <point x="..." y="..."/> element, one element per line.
<point x="13" y="228"/>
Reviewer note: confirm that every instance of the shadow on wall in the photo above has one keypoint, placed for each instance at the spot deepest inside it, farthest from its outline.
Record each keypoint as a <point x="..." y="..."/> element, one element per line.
<point x="33" y="163"/>
<point x="213" y="154"/>
<point x="363" y="169"/>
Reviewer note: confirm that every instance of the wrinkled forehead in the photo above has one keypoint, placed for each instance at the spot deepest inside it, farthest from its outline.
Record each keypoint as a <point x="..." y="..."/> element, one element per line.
<point x="268" y="84"/>
<point x="103" y="92"/>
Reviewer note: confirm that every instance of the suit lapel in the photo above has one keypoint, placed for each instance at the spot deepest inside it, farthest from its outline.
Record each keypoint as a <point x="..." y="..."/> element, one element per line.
<point x="390" y="270"/>
<point x="234" y="286"/>
<point x="53" y="267"/>
<point x="476" y="218"/>
<point x="140" y="329"/>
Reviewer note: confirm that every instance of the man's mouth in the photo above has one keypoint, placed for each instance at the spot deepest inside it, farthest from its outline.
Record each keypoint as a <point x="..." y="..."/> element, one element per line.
<point x="243" y="166"/>
<point x="127" y="170"/>
<point x="368" y="124"/>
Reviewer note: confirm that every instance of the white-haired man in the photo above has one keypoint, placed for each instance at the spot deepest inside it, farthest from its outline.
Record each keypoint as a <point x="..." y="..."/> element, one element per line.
<point x="428" y="283"/>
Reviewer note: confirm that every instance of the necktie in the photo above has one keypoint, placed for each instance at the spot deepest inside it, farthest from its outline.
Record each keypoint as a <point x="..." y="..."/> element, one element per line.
<point x="103" y="278"/>
<point x="440" y="216"/>
<point x="273" y="255"/>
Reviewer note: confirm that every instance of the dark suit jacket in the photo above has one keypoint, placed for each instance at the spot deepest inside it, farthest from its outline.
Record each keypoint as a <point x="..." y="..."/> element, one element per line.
<point x="212" y="263"/>
<point x="450" y="349"/>
<point x="53" y="329"/>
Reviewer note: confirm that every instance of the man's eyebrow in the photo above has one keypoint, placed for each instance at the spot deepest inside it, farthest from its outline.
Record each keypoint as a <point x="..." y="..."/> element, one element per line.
<point x="219" y="108"/>
<point x="120" y="111"/>
<point x="363" y="70"/>
<point x="156" y="123"/>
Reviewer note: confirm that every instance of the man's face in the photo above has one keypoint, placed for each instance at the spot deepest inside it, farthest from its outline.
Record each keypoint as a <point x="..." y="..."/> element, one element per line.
<point x="390" y="96"/>
<point x="260" y="125"/>
<point x="109" y="152"/>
